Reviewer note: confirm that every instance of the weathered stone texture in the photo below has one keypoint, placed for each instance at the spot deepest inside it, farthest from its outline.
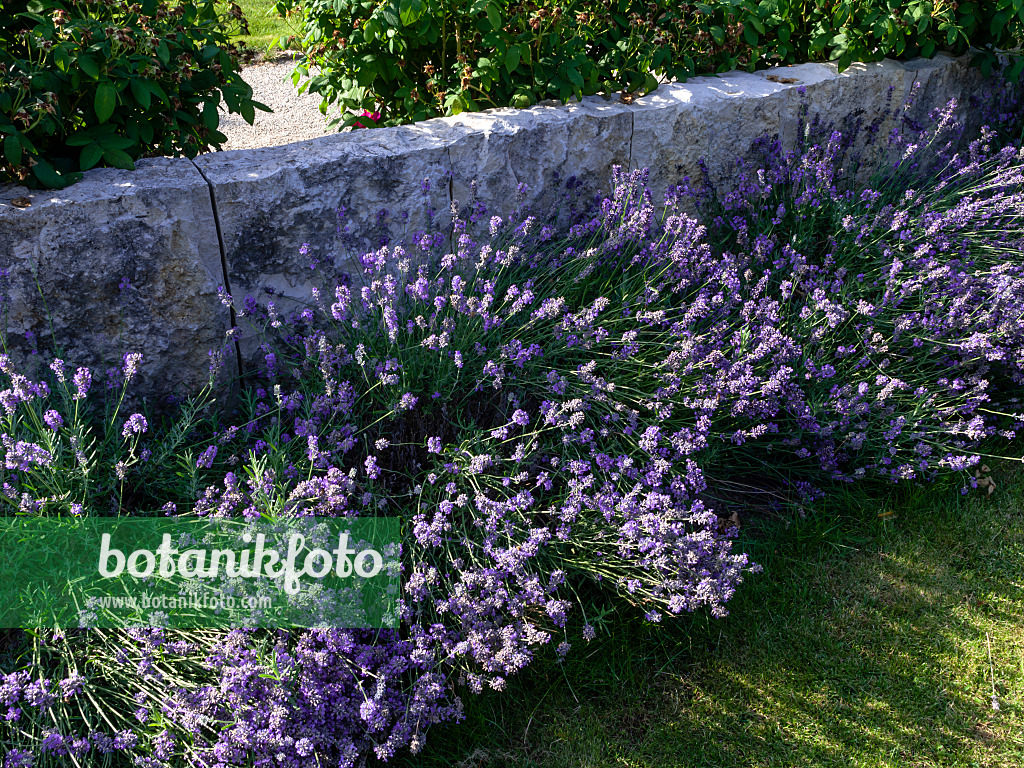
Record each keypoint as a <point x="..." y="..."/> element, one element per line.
<point x="69" y="251"/>
<point x="334" y="197"/>
<point x="555" y="151"/>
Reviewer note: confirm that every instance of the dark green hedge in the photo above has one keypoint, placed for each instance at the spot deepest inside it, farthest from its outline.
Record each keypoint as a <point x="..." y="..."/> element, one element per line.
<point x="415" y="59"/>
<point x="88" y="82"/>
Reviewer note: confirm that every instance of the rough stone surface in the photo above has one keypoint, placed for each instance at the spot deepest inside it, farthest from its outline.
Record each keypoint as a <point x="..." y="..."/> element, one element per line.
<point x="69" y="251"/>
<point x="334" y="197"/>
<point x="670" y="133"/>
<point x="552" y="150"/>
<point x="331" y="199"/>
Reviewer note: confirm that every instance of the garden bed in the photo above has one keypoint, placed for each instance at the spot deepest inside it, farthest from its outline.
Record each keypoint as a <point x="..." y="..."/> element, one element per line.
<point x="564" y="411"/>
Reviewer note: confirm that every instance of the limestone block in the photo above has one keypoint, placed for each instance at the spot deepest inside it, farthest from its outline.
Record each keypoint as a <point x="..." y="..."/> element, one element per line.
<point x="67" y="254"/>
<point x="671" y="135"/>
<point x="556" y="151"/>
<point x="941" y="79"/>
<point x="335" y="197"/>
<point x="749" y="106"/>
<point x="861" y="94"/>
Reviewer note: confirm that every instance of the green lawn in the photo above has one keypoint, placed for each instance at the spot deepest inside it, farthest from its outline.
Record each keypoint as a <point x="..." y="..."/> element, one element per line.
<point x="265" y="25"/>
<point x="865" y="643"/>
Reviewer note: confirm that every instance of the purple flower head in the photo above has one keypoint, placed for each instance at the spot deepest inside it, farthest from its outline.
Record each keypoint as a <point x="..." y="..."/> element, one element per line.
<point x="205" y="460"/>
<point x="131" y="365"/>
<point x="372" y="470"/>
<point x="407" y="402"/>
<point x="433" y="444"/>
<point x="82" y="381"/>
<point x="53" y="420"/>
<point x="19" y="758"/>
<point x="135" y="425"/>
<point x="58" y="367"/>
<point x="23" y="456"/>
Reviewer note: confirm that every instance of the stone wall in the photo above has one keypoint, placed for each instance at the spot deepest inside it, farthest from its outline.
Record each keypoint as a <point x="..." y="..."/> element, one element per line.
<point x="130" y="261"/>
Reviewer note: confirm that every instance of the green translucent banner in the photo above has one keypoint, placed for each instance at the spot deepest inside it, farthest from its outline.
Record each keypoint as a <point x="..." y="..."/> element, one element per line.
<point x="188" y="572"/>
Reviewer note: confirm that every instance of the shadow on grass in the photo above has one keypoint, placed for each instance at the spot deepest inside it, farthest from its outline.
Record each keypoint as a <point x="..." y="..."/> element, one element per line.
<point x="865" y="643"/>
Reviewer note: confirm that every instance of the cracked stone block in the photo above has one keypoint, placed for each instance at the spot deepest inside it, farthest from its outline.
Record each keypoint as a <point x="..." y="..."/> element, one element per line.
<point x="328" y="200"/>
<point x="751" y="106"/>
<point x="944" y="78"/>
<point x="68" y="252"/>
<point x="863" y="92"/>
<point x="323" y="202"/>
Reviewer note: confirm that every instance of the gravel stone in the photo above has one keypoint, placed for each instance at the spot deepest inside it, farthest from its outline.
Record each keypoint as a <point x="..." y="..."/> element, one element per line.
<point x="295" y="117"/>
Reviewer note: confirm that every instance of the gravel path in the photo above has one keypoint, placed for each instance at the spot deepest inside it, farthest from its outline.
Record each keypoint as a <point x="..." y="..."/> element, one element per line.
<point x="294" y="117"/>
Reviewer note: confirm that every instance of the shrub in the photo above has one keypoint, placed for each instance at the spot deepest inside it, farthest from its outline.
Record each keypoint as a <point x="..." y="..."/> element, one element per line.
<point x="416" y="59"/>
<point x="89" y="82"/>
<point x="556" y="419"/>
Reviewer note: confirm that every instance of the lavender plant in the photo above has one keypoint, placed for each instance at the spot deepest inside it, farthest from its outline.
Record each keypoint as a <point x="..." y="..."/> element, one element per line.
<point x="558" y="419"/>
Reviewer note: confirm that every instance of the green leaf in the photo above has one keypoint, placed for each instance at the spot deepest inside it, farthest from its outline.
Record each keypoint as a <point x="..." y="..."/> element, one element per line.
<point x="12" y="149"/>
<point x="141" y="93"/>
<point x="494" y="17"/>
<point x="512" y="58"/>
<point x="718" y="34"/>
<point x="371" y="28"/>
<point x="82" y="138"/>
<point x="157" y="90"/>
<point x="574" y="76"/>
<point x="91" y="155"/>
<point x="478" y="6"/>
<point x="410" y="10"/>
<point x="88" y="65"/>
<point x="116" y="142"/>
<point x="119" y="159"/>
<point x="62" y="58"/>
<point x="247" y="111"/>
<point x="163" y="53"/>
<point x="106" y="101"/>
<point x="524" y="49"/>
<point x="48" y="177"/>
<point x="390" y="16"/>
<point x="210" y="117"/>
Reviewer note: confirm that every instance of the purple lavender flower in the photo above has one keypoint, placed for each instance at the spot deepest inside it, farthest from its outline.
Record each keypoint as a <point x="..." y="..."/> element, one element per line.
<point x="407" y="402"/>
<point x="136" y="425"/>
<point x="82" y="381"/>
<point x="206" y="459"/>
<point x="53" y="420"/>
<point x="372" y="470"/>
